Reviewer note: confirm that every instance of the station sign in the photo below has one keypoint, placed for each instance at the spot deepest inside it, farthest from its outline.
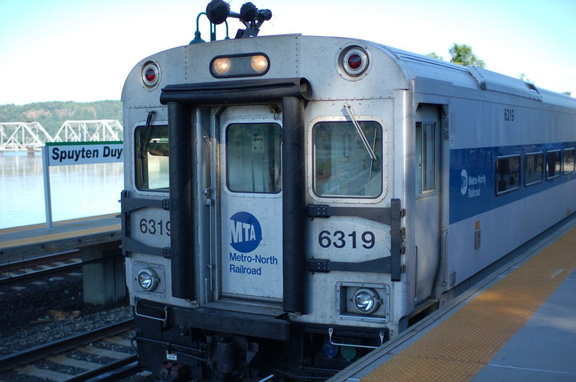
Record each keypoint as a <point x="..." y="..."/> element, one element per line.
<point x="74" y="153"/>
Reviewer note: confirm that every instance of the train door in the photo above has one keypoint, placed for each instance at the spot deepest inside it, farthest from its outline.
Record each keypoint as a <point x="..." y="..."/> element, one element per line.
<point x="428" y="199"/>
<point x="251" y="203"/>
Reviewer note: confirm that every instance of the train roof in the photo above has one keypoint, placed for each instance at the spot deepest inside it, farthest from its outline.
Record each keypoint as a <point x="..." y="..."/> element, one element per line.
<point x="475" y="78"/>
<point x="416" y="66"/>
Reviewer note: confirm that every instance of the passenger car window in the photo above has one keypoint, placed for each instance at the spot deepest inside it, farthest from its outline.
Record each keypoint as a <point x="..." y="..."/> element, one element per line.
<point x="507" y="174"/>
<point x="343" y="166"/>
<point x="553" y="164"/>
<point x="533" y="168"/>
<point x="569" y="161"/>
<point x="152" y="153"/>
<point x="253" y="157"/>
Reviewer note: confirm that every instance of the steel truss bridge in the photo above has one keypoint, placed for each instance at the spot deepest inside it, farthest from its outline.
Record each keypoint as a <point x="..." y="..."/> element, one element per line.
<point x="15" y="136"/>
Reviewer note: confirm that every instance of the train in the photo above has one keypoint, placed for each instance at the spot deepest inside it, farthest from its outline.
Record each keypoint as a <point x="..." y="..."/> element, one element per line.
<point x="293" y="202"/>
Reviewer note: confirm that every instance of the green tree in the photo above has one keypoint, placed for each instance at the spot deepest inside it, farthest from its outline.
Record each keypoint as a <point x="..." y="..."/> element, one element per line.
<point x="526" y="79"/>
<point x="462" y="54"/>
<point x="435" y="55"/>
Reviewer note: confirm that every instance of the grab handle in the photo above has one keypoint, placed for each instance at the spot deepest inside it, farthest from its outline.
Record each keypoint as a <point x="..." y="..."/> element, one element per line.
<point x="331" y="331"/>
<point x="163" y="320"/>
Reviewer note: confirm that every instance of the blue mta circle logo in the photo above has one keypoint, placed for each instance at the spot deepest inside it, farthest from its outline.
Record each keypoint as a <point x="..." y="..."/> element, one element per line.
<point x="245" y="232"/>
<point x="464" y="182"/>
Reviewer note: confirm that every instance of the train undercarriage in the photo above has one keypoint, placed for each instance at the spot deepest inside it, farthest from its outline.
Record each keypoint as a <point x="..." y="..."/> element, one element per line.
<point x="171" y="345"/>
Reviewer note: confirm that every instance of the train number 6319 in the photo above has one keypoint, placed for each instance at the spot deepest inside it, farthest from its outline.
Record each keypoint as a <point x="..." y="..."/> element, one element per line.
<point x="339" y="239"/>
<point x="509" y="115"/>
<point x="155" y="227"/>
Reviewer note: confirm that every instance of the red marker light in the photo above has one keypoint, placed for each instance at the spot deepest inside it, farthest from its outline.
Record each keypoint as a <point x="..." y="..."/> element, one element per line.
<point x="150" y="74"/>
<point x="355" y="61"/>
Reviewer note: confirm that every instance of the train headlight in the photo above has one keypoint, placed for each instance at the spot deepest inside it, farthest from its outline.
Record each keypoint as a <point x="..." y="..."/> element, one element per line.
<point x="148" y="279"/>
<point x="245" y="65"/>
<point x="366" y="300"/>
<point x="221" y="66"/>
<point x="259" y="63"/>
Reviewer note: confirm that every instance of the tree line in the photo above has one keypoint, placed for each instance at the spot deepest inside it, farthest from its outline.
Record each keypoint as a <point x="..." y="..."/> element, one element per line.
<point x="461" y="54"/>
<point x="51" y="115"/>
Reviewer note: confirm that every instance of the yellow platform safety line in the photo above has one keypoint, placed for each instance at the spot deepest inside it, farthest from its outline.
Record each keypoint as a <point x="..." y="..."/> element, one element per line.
<point x="58" y="236"/>
<point x="58" y="223"/>
<point x="458" y="348"/>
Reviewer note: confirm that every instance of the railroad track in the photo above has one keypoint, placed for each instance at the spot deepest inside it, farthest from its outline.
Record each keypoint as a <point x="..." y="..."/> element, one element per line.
<point x="40" y="267"/>
<point x="105" y="353"/>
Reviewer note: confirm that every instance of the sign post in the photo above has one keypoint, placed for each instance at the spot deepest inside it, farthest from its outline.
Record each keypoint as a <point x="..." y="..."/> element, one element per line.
<point x="75" y="153"/>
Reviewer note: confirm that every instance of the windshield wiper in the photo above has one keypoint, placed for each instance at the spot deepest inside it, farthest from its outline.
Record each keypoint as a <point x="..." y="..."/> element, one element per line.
<point x="363" y="138"/>
<point x="148" y="131"/>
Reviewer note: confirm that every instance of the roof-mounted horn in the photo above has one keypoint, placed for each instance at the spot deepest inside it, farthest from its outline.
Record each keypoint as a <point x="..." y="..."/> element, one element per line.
<point x="219" y="10"/>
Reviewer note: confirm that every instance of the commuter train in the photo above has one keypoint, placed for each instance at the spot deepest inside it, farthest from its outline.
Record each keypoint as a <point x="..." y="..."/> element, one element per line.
<point x="293" y="202"/>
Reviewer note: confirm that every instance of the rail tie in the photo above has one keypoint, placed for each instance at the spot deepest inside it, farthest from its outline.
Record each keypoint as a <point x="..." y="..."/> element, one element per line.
<point x="23" y="361"/>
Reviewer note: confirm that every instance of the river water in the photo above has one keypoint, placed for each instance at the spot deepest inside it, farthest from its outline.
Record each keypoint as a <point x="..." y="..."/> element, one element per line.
<point x="77" y="191"/>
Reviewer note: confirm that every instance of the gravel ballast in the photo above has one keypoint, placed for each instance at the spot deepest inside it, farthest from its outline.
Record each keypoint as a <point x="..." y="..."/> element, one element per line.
<point x="40" y="312"/>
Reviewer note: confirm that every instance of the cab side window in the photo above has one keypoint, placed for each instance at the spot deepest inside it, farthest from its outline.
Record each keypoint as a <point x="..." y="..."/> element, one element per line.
<point x="347" y="162"/>
<point x="152" y="153"/>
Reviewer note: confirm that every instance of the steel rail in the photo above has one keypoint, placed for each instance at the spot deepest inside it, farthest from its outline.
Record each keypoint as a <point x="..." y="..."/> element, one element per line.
<point x="24" y="270"/>
<point x="25" y="357"/>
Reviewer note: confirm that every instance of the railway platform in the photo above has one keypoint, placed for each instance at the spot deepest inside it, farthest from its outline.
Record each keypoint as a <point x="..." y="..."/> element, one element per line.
<point x="517" y="325"/>
<point x="33" y="240"/>
<point x="98" y="240"/>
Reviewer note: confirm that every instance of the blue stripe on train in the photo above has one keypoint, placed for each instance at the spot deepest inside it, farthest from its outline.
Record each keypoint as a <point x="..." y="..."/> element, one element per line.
<point x="473" y="178"/>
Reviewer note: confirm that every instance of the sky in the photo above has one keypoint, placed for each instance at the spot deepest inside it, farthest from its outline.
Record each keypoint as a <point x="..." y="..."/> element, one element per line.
<point x="82" y="50"/>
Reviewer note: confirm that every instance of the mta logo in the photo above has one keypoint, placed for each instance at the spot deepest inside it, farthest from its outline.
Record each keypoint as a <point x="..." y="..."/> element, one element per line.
<point x="464" y="182"/>
<point x="245" y="232"/>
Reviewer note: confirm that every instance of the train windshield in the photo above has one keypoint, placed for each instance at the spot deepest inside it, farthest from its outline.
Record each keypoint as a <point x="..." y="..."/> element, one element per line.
<point x="343" y="167"/>
<point x="151" y="158"/>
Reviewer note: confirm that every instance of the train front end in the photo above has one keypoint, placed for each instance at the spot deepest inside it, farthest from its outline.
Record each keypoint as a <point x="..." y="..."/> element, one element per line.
<point x="263" y="226"/>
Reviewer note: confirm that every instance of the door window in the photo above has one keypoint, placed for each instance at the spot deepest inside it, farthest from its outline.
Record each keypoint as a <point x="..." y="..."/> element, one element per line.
<point x="426" y="157"/>
<point x="253" y="157"/>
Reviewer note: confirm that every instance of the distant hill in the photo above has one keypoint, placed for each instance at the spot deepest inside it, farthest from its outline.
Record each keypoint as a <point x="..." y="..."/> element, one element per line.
<point x="51" y="115"/>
